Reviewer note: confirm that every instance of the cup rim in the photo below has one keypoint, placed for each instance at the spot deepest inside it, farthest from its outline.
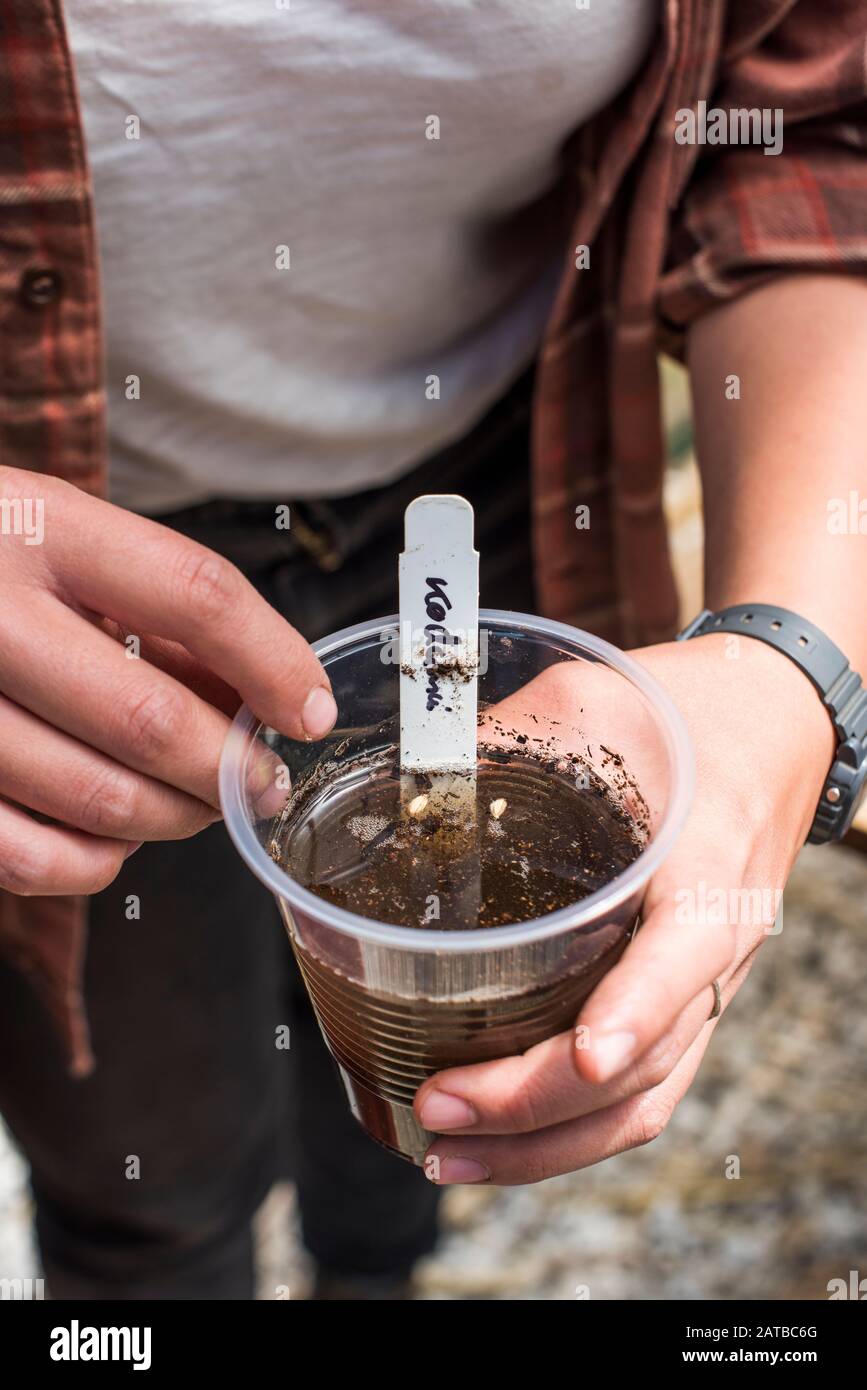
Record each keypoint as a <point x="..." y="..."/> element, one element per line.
<point x="602" y="900"/>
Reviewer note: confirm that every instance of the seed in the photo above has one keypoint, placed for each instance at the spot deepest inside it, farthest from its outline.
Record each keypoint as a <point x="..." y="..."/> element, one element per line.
<point x="498" y="807"/>
<point x="417" y="805"/>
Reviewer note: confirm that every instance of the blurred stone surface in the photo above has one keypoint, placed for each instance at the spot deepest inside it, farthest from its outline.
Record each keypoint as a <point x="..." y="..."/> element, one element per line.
<point x="17" y="1252"/>
<point x="783" y="1088"/>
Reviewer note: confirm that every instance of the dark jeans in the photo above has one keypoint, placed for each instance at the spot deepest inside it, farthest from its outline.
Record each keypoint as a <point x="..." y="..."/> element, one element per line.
<point x="185" y="1002"/>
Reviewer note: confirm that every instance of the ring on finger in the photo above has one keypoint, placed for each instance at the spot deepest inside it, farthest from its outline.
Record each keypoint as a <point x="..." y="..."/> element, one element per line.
<point x="717" y="1001"/>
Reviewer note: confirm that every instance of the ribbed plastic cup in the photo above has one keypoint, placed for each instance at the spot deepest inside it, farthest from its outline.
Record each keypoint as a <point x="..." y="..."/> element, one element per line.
<point x="397" y="1004"/>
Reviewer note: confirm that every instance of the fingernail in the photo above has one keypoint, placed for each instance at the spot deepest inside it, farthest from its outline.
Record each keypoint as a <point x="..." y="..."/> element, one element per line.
<point x="268" y="787"/>
<point x="442" y="1111"/>
<point x="612" y="1054"/>
<point x="319" y="713"/>
<point x="133" y="846"/>
<point x="463" y="1170"/>
<point x="267" y="783"/>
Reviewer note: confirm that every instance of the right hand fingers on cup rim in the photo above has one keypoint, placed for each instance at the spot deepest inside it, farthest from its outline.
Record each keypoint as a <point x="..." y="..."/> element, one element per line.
<point x="47" y="771"/>
<point x="74" y="676"/>
<point x="37" y="859"/>
<point x="176" y="661"/>
<point x="146" y="576"/>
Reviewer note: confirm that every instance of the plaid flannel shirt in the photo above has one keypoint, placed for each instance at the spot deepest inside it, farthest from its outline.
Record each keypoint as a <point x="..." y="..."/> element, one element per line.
<point x="673" y="230"/>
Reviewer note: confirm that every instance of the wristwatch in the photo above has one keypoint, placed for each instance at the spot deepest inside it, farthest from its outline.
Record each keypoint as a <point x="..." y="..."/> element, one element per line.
<point x="840" y="690"/>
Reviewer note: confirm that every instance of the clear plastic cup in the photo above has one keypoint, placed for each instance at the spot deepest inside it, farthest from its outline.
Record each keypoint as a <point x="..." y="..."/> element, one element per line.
<point x="397" y="1004"/>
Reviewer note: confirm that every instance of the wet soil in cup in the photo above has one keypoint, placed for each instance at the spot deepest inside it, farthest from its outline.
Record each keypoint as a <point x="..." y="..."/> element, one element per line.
<point x="539" y="840"/>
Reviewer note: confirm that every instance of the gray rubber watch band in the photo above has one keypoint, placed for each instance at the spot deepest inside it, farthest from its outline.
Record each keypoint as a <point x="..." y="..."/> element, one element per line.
<point x="839" y="688"/>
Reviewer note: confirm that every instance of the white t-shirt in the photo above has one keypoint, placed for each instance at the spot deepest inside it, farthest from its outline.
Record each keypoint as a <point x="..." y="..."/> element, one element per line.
<point x="327" y="252"/>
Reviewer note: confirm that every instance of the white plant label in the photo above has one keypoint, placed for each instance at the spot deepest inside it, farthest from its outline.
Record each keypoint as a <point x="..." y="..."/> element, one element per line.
<point x="439" y="637"/>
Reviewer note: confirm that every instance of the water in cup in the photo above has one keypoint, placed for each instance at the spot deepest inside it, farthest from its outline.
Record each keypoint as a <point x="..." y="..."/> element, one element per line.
<point x="539" y="840"/>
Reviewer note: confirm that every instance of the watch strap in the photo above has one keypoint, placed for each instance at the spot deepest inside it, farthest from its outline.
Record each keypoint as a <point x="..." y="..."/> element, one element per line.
<point x="820" y="659"/>
<point x="839" y="688"/>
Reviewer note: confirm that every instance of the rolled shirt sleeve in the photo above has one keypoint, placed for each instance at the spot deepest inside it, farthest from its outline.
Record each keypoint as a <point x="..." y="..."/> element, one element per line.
<point x="745" y="216"/>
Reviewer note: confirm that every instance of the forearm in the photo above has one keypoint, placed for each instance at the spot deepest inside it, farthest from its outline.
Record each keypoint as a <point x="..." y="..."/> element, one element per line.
<point x="773" y="460"/>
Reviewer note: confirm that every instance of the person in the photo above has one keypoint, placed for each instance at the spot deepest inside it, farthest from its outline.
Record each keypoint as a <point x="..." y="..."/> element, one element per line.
<point x="347" y="256"/>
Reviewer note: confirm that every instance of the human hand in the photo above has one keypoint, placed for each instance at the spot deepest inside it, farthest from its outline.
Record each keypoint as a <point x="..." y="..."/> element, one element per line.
<point x="763" y="746"/>
<point x="115" y="750"/>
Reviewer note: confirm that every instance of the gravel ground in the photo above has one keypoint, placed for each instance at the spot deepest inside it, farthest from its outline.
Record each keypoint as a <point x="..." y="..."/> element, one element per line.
<point x="783" y="1089"/>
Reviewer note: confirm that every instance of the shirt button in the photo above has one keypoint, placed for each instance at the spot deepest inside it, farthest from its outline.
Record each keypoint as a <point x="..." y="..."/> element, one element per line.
<point x="41" y="286"/>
